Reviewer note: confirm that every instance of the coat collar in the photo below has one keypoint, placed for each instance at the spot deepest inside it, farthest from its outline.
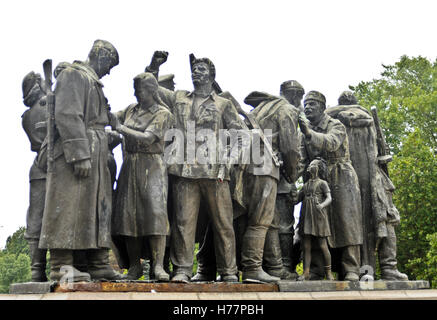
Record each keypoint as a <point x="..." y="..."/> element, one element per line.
<point x="323" y="124"/>
<point x="80" y="65"/>
<point x="152" y="109"/>
<point x="212" y="95"/>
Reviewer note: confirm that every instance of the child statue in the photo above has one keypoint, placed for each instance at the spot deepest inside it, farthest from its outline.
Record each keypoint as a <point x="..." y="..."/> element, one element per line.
<point x="316" y="197"/>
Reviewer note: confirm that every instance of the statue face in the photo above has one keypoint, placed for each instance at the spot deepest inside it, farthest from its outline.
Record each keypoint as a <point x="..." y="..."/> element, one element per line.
<point x="103" y="63"/>
<point x="313" y="110"/>
<point x="142" y="93"/>
<point x="200" y="74"/>
<point x="313" y="169"/>
<point x="293" y="97"/>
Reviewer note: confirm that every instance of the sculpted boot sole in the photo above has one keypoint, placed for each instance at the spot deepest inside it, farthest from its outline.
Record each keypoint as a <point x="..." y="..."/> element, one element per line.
<point x="258" y="276"/>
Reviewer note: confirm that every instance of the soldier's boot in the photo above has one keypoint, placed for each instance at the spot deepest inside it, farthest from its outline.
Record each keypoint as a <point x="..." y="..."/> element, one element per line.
<point x="157" y="247"/>
<point x="199" y="277"/>
<point x="167" y="259"/>
<point x="79" y="260"/>
<point x="251" y="260"/>
<point x="351" y="276"/>
<point x="133" y="247"/>
<point x="62" y="270"/>
<point x="273" y="257"/>
<point x="393" y="274"/>
<point x="328" y="273"/>
<point x="286" y="243"/>
<point x="99" y="267"/>
<point x="38" y="261"/>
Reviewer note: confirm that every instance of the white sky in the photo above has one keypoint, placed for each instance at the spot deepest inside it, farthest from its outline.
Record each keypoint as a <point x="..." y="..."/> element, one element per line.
<point x="256" y="45"/>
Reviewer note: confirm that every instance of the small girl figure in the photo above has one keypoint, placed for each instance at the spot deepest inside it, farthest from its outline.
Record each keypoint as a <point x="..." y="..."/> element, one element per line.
<point x="314" y="216"/>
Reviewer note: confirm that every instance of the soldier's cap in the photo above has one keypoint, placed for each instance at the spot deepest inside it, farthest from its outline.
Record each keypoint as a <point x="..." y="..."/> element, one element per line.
<point x="291" y="85"/>
<point x="103" y="44"/>
<point x="147" y="80"/>
<point x="347" y="98"/>
<point x="194" y="61"/>
<point x="315" y="95"/>
<point x="29" y="82"/>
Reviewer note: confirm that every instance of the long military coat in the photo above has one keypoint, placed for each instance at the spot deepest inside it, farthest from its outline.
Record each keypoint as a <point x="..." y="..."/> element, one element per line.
<point x="377" y="208"/>
<point x="78" y="210"/>
<point x="329" y="141"/>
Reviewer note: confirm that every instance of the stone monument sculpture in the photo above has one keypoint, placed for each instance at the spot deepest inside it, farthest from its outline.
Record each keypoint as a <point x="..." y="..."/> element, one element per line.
<point x="79" y="194"/>
<point x="347" y="215"/>
<point x="379" y="214"/>
<point x="35" y="125"/>
<point x="316" y="197"/>
<point x="141" y="206"/>
<point x="326" y="138"/>
<point x="293" y="92"/>
<point x="200" y="109"/>
<point x="275" y="114"/>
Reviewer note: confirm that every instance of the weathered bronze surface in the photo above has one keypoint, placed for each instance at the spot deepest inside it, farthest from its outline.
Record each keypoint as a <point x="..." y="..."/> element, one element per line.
<point x="165" y="201"/>
<point x="166" y="287"/>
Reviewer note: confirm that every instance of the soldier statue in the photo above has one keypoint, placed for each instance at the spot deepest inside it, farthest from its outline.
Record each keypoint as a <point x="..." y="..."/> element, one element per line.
<point x="78" y="206"/>
<point x="201" y="109"/>
<point x="326" y="138"/>
<point x="379" y="214"/>
<point x="35" y="125"/>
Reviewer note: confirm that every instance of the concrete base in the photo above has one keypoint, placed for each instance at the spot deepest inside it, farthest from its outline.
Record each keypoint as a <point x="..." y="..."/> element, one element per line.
<point x="150" y="286"/>
<point x="31" y="287"/>
<point x="321" y="286"/>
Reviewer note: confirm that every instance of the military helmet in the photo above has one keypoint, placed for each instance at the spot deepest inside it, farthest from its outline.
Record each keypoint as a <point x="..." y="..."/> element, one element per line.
<point x="291" y="85"/>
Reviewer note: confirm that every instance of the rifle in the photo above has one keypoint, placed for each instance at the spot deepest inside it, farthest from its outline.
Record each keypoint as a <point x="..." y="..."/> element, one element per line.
<point x="384" y="156"/>
<point x="47" y="66"/>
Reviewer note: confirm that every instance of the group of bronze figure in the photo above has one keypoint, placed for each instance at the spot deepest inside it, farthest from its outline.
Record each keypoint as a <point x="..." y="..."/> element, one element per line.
<point x="242" y="215"/>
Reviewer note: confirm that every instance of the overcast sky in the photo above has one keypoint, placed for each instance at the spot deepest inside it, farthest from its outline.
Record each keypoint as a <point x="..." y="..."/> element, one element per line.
<point x="255" y="45"/>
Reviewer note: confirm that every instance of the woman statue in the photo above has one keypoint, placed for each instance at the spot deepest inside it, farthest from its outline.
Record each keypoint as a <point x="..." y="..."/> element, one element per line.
<point x="140" y="215"/>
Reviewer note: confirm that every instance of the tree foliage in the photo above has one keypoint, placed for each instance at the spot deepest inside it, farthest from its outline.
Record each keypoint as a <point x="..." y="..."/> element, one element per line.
<point x="14" y="261"/>
<point x="16" y="243"/>
<point x="406" y="99"/>
<point x="13" y="269"/>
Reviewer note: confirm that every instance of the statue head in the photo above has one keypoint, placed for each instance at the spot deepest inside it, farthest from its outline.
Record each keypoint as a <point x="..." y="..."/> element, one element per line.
<point x="292" y="91"/>
<point x="202" y="70"/>
<point x="347" y="98"/>
<point x="317" y="168"/>
<point x="146" y="87"/>
<point x="102" y="57"/>
<point x="32" y="89"/>
<point x="314" y="106"/>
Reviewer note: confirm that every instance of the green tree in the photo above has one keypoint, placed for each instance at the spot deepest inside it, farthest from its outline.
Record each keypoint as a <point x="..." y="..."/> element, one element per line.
<point x="16" y="243"/>
<point x="406" y="99"/>
<point x="14" y="261"/>
<point x="13" y="268"/>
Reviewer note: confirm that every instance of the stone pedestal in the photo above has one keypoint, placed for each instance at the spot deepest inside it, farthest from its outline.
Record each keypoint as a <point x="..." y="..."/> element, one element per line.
<point x="32" y="287"/>
<point x="151" y="286"/>
<point x="320" y="286"/>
